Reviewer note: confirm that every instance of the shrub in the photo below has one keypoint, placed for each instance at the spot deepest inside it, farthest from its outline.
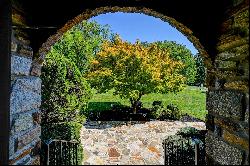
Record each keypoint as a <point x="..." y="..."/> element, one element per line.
<point x="190" y="134"/>
<point x="197" y="135"/>
<point x="188" y="131"/>
<point x="65" y="130"/>
<point x="157" y="109"/>
<point x="174" y="112"/>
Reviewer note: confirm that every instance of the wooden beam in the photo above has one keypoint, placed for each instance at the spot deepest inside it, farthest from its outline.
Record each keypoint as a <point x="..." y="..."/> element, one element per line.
<point x="5" y="51"/>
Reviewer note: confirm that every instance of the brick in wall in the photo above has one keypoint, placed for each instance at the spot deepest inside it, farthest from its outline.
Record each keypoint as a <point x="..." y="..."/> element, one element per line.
<point x="25" y="95"/>
<point x="27" y="138"/>
<point x="20" y="65"/>
<point x="226" y="65"/>
<point x="234" y="54"/>
<point x="236" y="140"/>
<point x="222" y="152"/>
<point x="225" y="103"/>
<point x="247" y="108"/>
<point x="22" y="122"/>
<point x="237" y="85"/>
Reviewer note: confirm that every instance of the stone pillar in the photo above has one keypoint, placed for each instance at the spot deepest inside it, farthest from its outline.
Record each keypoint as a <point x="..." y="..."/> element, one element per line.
<point x="5" y="40"/>
<point x="227" y="141"/>
<point x="25" y="98"/>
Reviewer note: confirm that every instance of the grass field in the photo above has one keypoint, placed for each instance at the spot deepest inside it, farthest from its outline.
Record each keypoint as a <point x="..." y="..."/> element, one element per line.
<point x="192" y="100"/>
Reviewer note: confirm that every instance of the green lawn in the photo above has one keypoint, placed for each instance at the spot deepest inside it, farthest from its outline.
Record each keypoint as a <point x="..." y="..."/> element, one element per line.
<point x="192" y="100"/>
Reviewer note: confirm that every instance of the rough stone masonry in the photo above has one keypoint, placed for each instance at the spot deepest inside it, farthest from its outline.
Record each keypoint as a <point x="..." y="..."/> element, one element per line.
<point x="227" y="97"/>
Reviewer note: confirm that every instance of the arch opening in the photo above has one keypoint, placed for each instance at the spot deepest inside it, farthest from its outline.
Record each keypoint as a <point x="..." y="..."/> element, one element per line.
<point x="43" y="50"/>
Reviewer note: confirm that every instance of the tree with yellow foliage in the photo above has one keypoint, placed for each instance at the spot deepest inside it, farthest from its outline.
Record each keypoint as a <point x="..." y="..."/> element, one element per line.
<point x="134" y="70"/>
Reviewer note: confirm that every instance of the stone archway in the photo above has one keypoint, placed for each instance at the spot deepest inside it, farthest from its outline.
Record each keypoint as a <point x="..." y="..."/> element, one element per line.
<point x="227" y="98"/>
<point x="37" y="63"/>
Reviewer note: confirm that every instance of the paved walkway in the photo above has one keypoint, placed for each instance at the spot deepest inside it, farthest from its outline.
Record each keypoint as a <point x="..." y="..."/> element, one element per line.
<point x="119" y="143"/>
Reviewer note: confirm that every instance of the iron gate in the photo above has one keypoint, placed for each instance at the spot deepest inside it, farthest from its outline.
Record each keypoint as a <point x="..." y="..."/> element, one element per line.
<point x="185" y="150"/>
<point x="59" y="152"/>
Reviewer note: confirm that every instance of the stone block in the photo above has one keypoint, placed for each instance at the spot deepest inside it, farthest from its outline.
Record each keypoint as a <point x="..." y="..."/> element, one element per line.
<point x="237" y="85"/>
<point x="13" y="46"/>
<point x="36" y="69"/>
<point x="247" y="159"/>
<point x="11" y="145"/>
<point x="21" y="157"/>
<point x="222" y="152"/>
<point x="217" y="131"/>
<point x="247" y="108"/>
<point x="25" y="95"/>
<point x="27" y="138"/>
<point x="230" y="43"/>
<point x="17" y="18"/>
<point x="236" y="140"/>
<point x="226" y="75"/>
<point x="23" y="40"/>
<point x="243" y="68"/>
<point x="22" y="122"/>
<point x="226" y="25"/>
<point x="25" y="50"/>
<point x="227" y="56"/>
<point x="226" y="65"/>
<point x="36" y="117"/>
<point x="210" y="122"/>
<point x="219" y="83"/>
<point x="23" y="161"/>
<point x="227" y="124"/>
<point x="35" y="151"/>
<point x="225" y="103"/>
<point x="20" y="65"/>
<point x="35" y="161"/>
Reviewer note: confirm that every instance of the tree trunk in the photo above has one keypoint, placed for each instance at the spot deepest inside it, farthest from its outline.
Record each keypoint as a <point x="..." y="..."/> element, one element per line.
<point x="134" y="103"/>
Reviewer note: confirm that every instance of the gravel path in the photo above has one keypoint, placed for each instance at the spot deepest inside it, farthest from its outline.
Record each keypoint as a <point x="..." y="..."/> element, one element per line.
<point x="121" y="143"/>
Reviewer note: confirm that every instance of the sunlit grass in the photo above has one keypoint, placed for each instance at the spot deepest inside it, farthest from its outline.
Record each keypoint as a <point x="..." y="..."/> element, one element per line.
<point x="192" y="100"/>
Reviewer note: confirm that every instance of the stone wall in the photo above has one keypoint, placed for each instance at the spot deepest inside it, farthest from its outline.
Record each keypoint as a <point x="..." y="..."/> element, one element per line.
<point x="228" y="96"/>
<point x="25" y="99"/>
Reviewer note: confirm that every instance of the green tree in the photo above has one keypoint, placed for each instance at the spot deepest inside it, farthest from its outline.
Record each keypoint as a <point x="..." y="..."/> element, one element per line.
<point x="181" y="53"/>
<point x="82" y="42"/>
<point x="65" y="91"/>
<point x="134" y="70"/>
<point x="201" y="70"/>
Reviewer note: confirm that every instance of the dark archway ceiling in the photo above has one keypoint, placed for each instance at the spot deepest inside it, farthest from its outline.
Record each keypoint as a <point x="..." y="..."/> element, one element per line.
<point x="201" y="16"/>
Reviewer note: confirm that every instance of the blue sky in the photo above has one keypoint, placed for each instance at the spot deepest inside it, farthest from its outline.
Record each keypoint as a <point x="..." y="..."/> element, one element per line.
<point x="132" y="26"/>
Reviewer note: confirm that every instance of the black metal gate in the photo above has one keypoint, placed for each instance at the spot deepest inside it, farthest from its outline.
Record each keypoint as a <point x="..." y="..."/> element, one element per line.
<point x="184" y="153"/>
<point x="59" y="152"/>
<point x="185" y="150"/>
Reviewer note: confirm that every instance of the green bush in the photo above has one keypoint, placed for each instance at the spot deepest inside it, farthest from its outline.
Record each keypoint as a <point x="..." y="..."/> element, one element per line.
<point x="188" y="131"/>
<point x="65" y="91"/>
<point x="174" y="112"/>
<point x="186" y="134"/>
<point x="65" y="131"/>
<point x="157" y="110"/>
<point x="160" y="112"/>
